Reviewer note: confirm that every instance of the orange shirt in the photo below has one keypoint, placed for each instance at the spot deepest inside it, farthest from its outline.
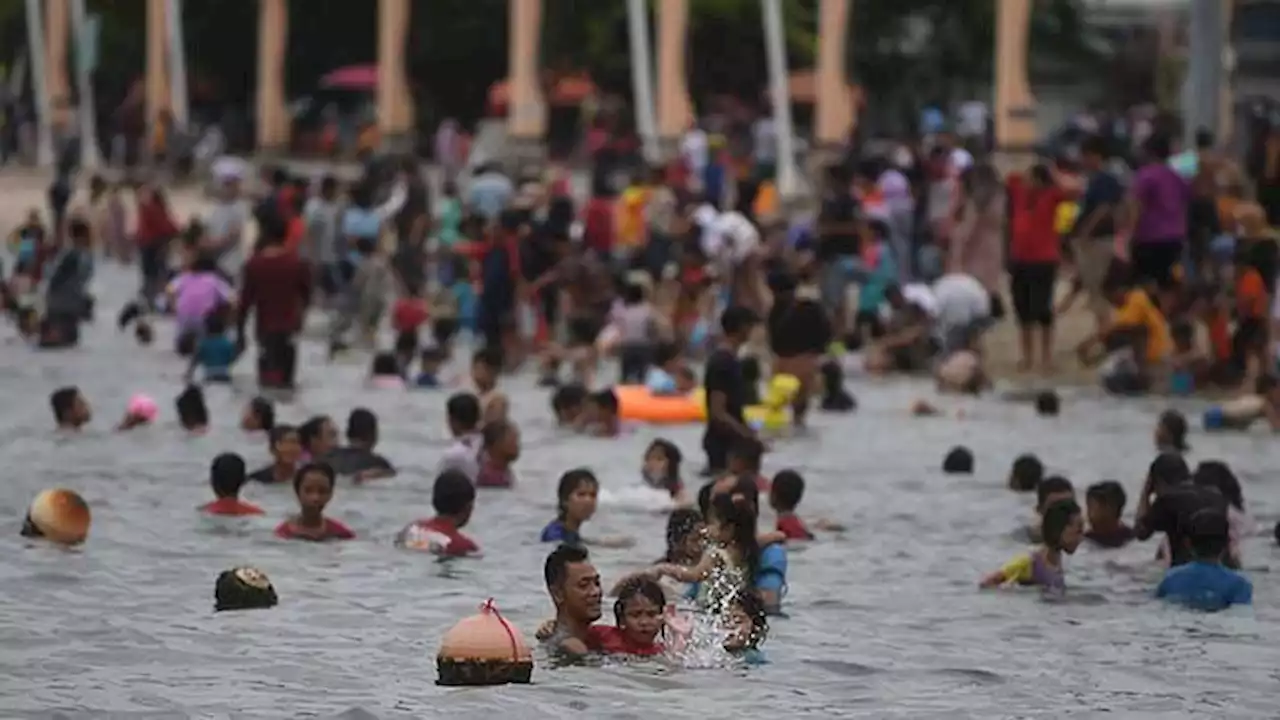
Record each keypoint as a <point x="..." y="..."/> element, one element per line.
<point x="1251" y="295"/>
<point x="231" y="506"/>
<point x="1219" y="336"/>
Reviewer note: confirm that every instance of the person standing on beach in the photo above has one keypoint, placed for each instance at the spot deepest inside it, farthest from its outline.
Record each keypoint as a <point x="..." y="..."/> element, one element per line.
<point x="277" y="287"/>
<point x="1157" y="207"/>
<point x="224" y="230"/>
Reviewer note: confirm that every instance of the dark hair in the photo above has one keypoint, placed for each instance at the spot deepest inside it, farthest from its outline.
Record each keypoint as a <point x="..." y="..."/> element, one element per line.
<point x="1095" y="145"/>
<point x="62" y="400"/>
<point x="664" y="353"/>
<point x="489" y="357"/>
<point x="568" y="396"/>
<point x="1158" y="147"/>
<point x="328" y="185"/>
<point x="674" y="457"/>
<point x="311" y="429"/>
<point x="385" y="364"/>
<point x="556" y="567"/>
<point x="452" y="493"/>
<point x="192" y="412"/>
<point x="1168" y="469"/>
<point x="704" y="498"/>
<point x="1204" y="139"/>
<point x="786" y="490"/>
<point x="463" y="409"/>
<point x="632" y="294"/>
<point x="569" y="482"/>
<point x="606" y="400"/>
<point x="362" y="425"/>
<point x="265" y="410"/>
<point x="741" y="517"/>
<point x="749" y="450"/>
<point x="1217" y="474"/>
<point x="680" y="523"/>
<point x="227" y="475"/>
<point x="1210" y="534"/>
<point x="753" y="607"/>
<point x="1109" y="494"/>
<point x="1026" y="474"/>
<point x="1052" y="485"/>
<point x="1174" y="424"/>
<point x="638" y="587"/>
<point x="737" y="320"/>
<point x="493" y="432"/>
<point x="317" y="467"/>
<point x="1047" y="403"/>
<point x="278" y="433"/>
<point x="1056" y="518"/>
<point x="959" y="461"/>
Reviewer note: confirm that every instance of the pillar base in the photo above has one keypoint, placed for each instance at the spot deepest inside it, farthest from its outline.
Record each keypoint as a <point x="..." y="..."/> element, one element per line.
<point x="525" y="157"/>
<point x="398" y="143"/>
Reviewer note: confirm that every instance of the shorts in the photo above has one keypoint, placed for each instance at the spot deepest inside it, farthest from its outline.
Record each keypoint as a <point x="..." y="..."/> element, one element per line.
<point x="997" y="306"/>
<point x="1156" y="262"/>
<point x="584" y="329"/>
<point x="1093" y="259"/>
<point x="1031" y="285"/>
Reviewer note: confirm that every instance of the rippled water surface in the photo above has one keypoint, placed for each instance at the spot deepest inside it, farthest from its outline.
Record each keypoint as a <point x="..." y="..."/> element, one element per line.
<point x="884" y="620"/>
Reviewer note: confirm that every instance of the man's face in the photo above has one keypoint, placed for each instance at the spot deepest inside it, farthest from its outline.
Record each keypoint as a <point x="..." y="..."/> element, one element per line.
<point x="579" y="596"/>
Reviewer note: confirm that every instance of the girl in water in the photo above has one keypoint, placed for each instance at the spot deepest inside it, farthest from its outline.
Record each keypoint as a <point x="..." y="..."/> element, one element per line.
<point x="500" y="449"/>
<point x="661" y="469"/>
<point x="730" y="560"/>
<point x="577" y="503"/>
<point x="1217" y="474"/>
<point x="684" y="537"/>
<point x="314" y="487"/>
<point x="259" y="414"/>
<point x="638" y="612"/>
<point x="748" y="626"/>
<point x="318" y="436"/>
<point x="1061" y="530"/>
<point x="286" y="451"/>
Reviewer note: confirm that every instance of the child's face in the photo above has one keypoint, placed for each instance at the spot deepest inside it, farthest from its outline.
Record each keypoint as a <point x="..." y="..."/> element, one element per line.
<point x="720" y="531"/>
<point x="1072" y="534"/>
<point x="655" y="466"/>
<point x="570" y="414"/>
<point x="325" y="441"/>
<point x="81" y="411"/>
<point x="482" y="376"/>
<point x="581" y="503"/>
<point x="287" y="449"/>
<point x="1100" y="514"/>
<point x="740" y="628"/>
<point x="642" y="620"/>
<point x="314" y="492"/>
<point x="691" y="546"/>
<point x="1054" y="497"/>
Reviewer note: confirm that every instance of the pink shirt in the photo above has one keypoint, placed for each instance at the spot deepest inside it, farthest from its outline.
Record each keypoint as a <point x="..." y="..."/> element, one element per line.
<point x="198" y="294"/>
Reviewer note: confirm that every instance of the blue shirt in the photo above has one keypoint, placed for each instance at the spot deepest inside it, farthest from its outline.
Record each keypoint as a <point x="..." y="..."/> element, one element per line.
<point x="216" y="354"/>
<point x="660" y="382"/>
<point x="555" y="531"/>
<point x="425" y="380"/>
<point x="1205" y="586"/>
<point x="361" y="223"/>
<point x="771" y="575"/>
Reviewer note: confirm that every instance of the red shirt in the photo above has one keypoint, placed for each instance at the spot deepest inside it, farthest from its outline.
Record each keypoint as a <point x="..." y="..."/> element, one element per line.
<point x="762" y="484"/>
<point x="441" y="536"/>
<point x="333" y="530"/>
<point x="792" y="526"/>
<point x="1034" y="210"/>
<point x="597" y="224"/>
<point x="277" y="286"/>
<point x="612" y="641"/>
<point x="230" y="506"/>
<point x="154" y="224"/>
<point x="408" y="315"/>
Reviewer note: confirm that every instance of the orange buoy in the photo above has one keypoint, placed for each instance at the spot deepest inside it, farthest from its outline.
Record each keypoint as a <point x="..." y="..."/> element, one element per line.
<point x="59" y="515"/>
<point x="484" y="649"/>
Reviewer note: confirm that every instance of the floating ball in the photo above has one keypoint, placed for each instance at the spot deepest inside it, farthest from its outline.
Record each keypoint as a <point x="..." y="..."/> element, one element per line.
<point x="59" y="515"/>
<point x="484" y="649"/>
<point x="243" y="588"/>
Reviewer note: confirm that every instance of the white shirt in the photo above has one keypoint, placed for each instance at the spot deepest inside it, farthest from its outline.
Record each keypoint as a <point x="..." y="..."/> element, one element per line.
<point x="960" y="160"/>
<point x="463" y="455"/>
<point x="766" y="140"/>
<point x="921" y="296"/>
<point x="729" y="238"/>
<point x="973" y="119"/>
<point x="961" y="300"/>
<point x="694" y="150"/>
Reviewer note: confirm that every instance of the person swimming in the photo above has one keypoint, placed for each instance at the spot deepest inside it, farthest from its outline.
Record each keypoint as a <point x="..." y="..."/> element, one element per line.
<point x="259" y="414"/>
<point x="1049" y="491"/>
<point x="730" y="560"/>
<point x="498" y="453"/>
<point x="1061" y="530"/>
<point x="576" y="503"/>
<point x="601" y="416"/>
<point x="784" y="496"/>
<point x="958" y="461"/>
<point x="1218" y="475"/>
<point x="569" y="403"/>
<point x="1243" y="411"/>
<point x="227" y="476"/>
<point x="71" y="410"/>
<point x="661" y="469"/>
<point x="385" y="373"/>
<point x="193" y="414"/>
<point x="1026" y="473"/>
<point x="638" y="614"/>
<point x="313" y="486"/>
<point x="1104" y="504"/>
<point x="318" y="437"/>
<point x="1171" y="432"/>
<point x="453" y="497"/>
<point x="286" y="452"/>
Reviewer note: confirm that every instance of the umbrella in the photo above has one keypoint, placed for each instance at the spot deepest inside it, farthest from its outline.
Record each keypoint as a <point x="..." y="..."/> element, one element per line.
<point x="352" y="77"/>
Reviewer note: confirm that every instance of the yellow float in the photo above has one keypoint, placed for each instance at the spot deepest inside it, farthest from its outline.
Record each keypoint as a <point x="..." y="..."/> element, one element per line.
<point x="635" y="402"/>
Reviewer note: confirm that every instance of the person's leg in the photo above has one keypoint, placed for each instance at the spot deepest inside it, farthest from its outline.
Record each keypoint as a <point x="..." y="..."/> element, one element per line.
<point x="1020" y="287"/>
<point x="1047" y="275"/>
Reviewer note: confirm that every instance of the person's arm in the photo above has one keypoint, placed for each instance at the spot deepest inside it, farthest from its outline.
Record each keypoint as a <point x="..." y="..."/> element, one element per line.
<point x="191" y="366"/>
<point x="718" y="411"/>
<point x="1143" y="525"/>
<point x="696" y="573"/>
<point x="1016" y="570"/>
<point x="248" y="298"/>
<point x="399" y="194"/>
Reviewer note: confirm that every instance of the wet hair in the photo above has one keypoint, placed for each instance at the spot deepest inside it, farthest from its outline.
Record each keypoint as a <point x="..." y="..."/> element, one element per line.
<point x="62" y="401"/>
<point x="1217" y="474"/>
<point x="385" y="364"/>
<point x="362" y="426"/>
<point x="310" y="430"/>
<point x="556" y="567"/>
<point x="786" y="490"/>
<point x="737" y="320"/>
<point x="313" y="467"/>
<point x="1047" y="403"/>
<point x="1174" y="425"/>
<point x="278" y="433"/>
<point x="569" y="483"/>
<point x="740" y="516"/>
<point x="463" y="410"/>
<point x="567" y="397"/>
<point x="1055" y="520"/>
<point x="227" y="475"/>
<point x="1051" y="486"/>
<point x="493" y="432"/>
<point x="704" y="498"/>
<point x="489" y="357"/>
<point x="1210" y="534"/>
<point x="680" y="524"/>
<point x="452" y="493"/>
<point x="748" y="450"/>
<point x="606" y="400"/>
<point x="752" y="605"/>
<point x="674" y="457"/>
<point x="959" y="461"/>
<point x="192" y="412"/>
<point x="265" y="412"/>
<point x="1168" y="469"/>
<point x="1026" y="474"/>
<point x="1109" y="494"/>
<point x="638" y="587"/>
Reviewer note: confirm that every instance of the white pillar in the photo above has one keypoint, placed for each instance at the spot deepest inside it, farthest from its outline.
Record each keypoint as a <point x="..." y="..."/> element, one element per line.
<point x="779" y="93"/>
<point x="642" y="77"/>
<point x="35" y="39"/>
<point x="179" y="102"/>
<point x="90" y="156"/>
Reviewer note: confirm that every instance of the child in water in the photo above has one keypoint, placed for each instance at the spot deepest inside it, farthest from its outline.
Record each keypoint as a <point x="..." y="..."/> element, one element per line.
<point x="214" y="351"/>
<point x="258" y="415"/>
<point x="429" y="363"/>
<point x="142" y="410"/>
<point x="384" y="374"/>
<point x="730" y="560"/>
<point x="453" y="498"/>
<point x="784" y="497"/>
<point x="1171" y="432"/>
<point x="1026" y="473"/>
<point x="499" y="452"/>
<point x="576" y="496"/>
<point x="748" y="626"/>
<point x="745" y="458"/>
<point x="661" y="469"/>
<point x="684" y="537"/>
<point x="1049" y="491"/>
<point x="227" y="476"/>
<point x="1218" y="475"/>
<point x="314" y="487"/>
<point x="601" y="416"/>
<point x="638" y="614"/>
<point x="569" y="403"/>
<point x="286" y="450"/>
<point x="1104" y="504"/>
<point x="1203" y="583"/>
<point x="193" y="414"/>
<point x="1062" y="529"/>
<point x="668" y="376"/>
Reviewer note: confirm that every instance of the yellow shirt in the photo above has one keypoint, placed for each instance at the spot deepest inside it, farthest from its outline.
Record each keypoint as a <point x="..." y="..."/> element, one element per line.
<point x="1139" y="311"/>
<point x="631" y="216"/>
<point x="1018" y="570"/>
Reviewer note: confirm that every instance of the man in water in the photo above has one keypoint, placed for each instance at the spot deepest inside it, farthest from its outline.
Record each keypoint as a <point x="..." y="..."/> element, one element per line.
<point x="726" y="394"/>
<point x="574" y="586"/>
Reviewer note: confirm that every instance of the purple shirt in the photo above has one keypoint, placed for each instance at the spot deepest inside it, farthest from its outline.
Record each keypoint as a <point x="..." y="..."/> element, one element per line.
<point x="198" y="294"/>
<point x="1163" y="196"/>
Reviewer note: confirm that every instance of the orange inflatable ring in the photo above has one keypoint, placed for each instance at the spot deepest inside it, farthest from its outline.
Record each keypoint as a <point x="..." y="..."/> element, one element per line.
<point x="635" y="402"/>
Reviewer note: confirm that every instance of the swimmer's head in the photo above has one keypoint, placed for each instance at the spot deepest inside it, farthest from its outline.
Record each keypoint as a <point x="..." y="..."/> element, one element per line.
<point x="501" y="441"/>
<point x="1171" y="431"/>
<point x="747" y="622"/>
<point x="318" y="436"/>
<point x="70" y="409"/>
<point x="573" y="583"/>
<point x="1026" y="474"/>
<point x="1062" y="526"/>
<point x="485" y="366"/>
<point x="1047" y="403"/>
<point x="638" y="611"/>
<point x="143" y="333"/>
<point x="227" y="475"/>
<point x="463" y="413"/>
<point x="362" y="428"/>
<point x="661" y="467"/>
<point x="667" y="356"/>
<point x="193" y="414"/>
<point x="384" y="364"/>
<point x="684" y="535"/>
<point x="785" y="491"/>
<point x="243" y="588"/>
<point x="453" y="496"/>
<point x="1168" y="470"/>
<point x="602" y="405"/>
<point x="1104" y="504"/>
<point x="576" y="495"/>
<point x="285" y="444"/>
<point x="1210" y="535"/>
<point x="1051" y="490"/>
<point x="959" y="461"/>
<point x="1218" y="475"/>
<point x="313" y="484"/>
<point x="745" y="457"/>
<point x="259" y="414"/>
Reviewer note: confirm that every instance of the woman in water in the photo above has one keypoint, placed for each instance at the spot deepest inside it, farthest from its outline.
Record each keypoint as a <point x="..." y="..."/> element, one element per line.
<point x="319" y="437"/>
<point x="1217" y="474"/>
<point x="577" y="503"/>
<point x="1061" y="530"/>
<point x="286" y="451"/>
<point x="730" y="560"/>
<point x="662" y="469"/>
<point x="314" y="487"/>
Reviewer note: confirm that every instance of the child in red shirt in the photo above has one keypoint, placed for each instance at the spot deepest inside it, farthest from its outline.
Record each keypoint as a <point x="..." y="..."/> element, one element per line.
<point x="453" y="498"/>
<point x="314" y="487"/>
<point x="638" y="613"/>
<point x="227" y="475"/>
<point x="784" y="498"/>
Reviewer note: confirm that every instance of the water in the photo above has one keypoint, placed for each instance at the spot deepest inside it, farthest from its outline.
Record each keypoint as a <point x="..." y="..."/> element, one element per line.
<point x="884" y="621"/>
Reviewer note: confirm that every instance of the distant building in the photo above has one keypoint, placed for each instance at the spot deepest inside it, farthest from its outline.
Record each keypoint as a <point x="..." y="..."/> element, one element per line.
<point x="1255" y="40"/>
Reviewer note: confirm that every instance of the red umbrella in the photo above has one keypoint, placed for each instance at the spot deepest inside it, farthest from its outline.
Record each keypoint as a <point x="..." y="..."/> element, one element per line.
<point x="352" y="77"/>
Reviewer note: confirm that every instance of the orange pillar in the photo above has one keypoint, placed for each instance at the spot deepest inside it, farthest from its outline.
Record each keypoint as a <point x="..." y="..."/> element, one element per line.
<point x="675" y="112"/>
<point x="834" y="109"/>
<point x="57" y="29"/>
<point x="527" y="112"/>
<point x="395" y="101"/>
<point x="273" y="116"/>
<point x="157" y="83"/>
<point x="1015" y="110"/>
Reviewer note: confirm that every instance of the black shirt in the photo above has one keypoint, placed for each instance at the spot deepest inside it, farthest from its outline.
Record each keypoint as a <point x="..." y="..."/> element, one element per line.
<point x="798" y="328"/>
<point x="1102" y="189"/>
<point x="266" y="476"/>
<point x="838" y="209"/>
<point x="1119" y="537"/>
<point x="724" y="375"/>
<point x="1171" y="514"/>
<point x="353" y="460"/>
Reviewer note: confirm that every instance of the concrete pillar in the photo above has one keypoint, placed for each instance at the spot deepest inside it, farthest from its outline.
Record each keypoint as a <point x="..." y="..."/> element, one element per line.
<point x="1202" y="93"/>
<point x="833" y="110"/>
<point x="526" y="108"/>
<point x="57" y="30"/>
<point x="675" y="112"/>
<point x="1015" y="108"/>
<point x="273" y="38"/>
<point x="395" y="100"/>
<point x="157" y="82"/>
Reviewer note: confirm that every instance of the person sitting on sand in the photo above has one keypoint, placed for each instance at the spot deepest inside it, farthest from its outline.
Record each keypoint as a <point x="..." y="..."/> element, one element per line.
<point x="314" y="487"/>
<point x="1136" y="326"/>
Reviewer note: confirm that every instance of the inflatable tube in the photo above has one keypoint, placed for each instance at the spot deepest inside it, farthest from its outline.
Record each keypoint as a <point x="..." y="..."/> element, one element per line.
<point x="635" y="402"/>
